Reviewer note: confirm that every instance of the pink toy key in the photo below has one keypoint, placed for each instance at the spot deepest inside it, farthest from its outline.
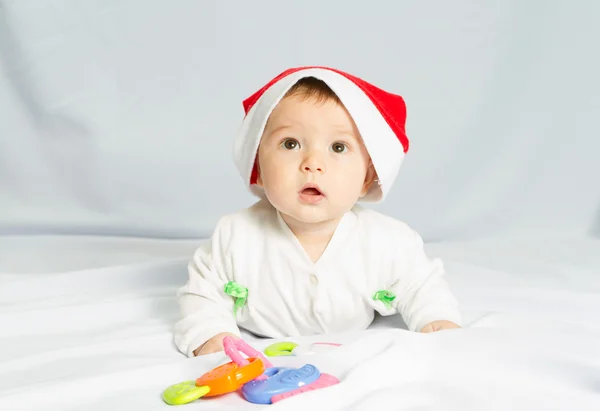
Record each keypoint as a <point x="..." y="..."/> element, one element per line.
<point x="233" y="348"/>
<point x="325" y="380"/>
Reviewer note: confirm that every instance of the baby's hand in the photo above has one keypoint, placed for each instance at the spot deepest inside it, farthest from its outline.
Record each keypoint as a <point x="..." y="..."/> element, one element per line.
<point x="215" y="344"/>
<point x="439" y="326"/>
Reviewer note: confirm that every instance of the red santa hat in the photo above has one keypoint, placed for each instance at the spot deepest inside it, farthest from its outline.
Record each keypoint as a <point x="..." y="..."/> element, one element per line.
<point x="380" y="117"/>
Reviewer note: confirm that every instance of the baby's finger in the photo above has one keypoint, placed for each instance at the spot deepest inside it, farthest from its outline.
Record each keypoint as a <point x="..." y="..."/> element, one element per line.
<point x="211" y="348"/>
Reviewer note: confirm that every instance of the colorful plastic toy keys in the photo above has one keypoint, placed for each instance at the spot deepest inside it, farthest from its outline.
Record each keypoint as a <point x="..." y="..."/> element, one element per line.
<point x="229" y="377"/>
<point x="280" y="349"/>
<point x="183" y="393"/>
<point x="279" y="381"/>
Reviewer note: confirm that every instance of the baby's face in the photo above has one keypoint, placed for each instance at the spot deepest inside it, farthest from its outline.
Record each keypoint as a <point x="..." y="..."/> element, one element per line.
<point x="312" y="162"/>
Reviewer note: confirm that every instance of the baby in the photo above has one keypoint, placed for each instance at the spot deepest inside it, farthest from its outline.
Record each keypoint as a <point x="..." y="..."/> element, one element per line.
<point x="306" y="259"/>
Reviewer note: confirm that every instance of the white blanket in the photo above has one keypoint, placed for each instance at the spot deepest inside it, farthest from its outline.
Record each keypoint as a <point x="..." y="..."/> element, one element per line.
<point x="100" y="338"/>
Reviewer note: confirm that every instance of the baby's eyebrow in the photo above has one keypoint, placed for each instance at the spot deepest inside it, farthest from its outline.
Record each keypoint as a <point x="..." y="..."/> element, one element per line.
<point x="347" y="132"/>
<point x="280" y="128"/>
<point x="343" y="129"/>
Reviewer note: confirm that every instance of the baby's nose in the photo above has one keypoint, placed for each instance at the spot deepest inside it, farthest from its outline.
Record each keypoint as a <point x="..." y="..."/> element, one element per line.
<point x="313" y="163"/>
<point x="313" y="168"/>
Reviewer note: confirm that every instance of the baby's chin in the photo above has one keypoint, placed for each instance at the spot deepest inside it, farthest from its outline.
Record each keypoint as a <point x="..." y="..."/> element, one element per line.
<point x="311" y="216"/>
<point x="295" y="212"/>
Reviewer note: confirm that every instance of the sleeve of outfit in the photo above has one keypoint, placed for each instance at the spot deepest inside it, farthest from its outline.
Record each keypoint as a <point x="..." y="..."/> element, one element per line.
<point x="206" y="309"/>
<point x="422" y="294"/>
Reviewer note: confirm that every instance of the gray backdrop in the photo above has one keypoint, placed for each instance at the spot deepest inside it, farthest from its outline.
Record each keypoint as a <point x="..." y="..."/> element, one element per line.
<point x="118" y="117"/>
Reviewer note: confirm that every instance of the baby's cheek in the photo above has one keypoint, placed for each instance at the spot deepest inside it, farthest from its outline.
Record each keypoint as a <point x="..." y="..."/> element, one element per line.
<point x="350" y="185"/>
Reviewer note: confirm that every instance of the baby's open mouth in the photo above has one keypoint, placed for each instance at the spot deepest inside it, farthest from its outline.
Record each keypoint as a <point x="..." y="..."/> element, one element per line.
<point x="311" y="192"/>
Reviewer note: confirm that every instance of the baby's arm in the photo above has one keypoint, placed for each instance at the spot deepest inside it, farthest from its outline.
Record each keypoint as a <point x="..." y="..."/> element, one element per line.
<point x="424" y="298"/>
<point x="206" y="310"/>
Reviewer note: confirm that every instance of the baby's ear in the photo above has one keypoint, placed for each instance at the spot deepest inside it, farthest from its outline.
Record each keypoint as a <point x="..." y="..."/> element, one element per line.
<point x="259" y="181"/>
<point x="370" y="177"/>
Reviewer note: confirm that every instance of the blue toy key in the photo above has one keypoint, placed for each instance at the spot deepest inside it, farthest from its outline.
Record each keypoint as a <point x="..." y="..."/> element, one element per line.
<point x="280" y="380"/>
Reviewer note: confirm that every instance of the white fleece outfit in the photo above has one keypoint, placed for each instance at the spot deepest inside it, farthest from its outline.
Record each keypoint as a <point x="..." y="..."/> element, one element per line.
<point x="289" y="295"/>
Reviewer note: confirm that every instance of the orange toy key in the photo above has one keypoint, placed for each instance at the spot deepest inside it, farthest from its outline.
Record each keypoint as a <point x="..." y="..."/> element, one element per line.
<point x="229" y="377"/>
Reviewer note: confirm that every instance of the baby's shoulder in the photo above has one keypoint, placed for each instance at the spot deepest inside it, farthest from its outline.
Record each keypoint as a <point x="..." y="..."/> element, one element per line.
<point x="245" y="223"/>
<point x="382" y="228"/>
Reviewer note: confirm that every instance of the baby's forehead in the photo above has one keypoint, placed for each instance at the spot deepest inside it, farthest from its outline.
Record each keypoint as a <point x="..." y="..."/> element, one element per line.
<point x="297" y="111"/>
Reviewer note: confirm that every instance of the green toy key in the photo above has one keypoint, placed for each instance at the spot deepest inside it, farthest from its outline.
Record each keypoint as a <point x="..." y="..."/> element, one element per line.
<point x="183" y="393"/>
<point x="280" y="349"/>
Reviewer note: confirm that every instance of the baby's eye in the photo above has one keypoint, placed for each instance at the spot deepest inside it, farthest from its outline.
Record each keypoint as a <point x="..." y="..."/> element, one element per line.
<point x="338" y="147"/>
<point x="290" y="144"/>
